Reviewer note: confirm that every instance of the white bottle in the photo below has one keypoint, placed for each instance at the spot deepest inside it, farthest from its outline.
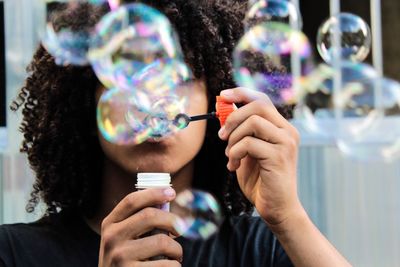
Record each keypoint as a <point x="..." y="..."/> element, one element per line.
<point x="155" y="180"/>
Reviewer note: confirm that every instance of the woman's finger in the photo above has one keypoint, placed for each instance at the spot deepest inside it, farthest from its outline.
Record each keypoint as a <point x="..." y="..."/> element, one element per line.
<point x="257" y="107"/>
<point x="138" y="200"/>
<point x="253" y="147"/>
<point x="144" y="221"/>
<point x="148" y="247"/>
<point x="160" y="263"/>
<point x="244" y="95"/>
<point x="258" y="127"/>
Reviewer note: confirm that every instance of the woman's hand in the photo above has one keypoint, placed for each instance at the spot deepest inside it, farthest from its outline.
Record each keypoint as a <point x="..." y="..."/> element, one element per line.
<point x="122" y="243"/>
<point x="262" y="149"/>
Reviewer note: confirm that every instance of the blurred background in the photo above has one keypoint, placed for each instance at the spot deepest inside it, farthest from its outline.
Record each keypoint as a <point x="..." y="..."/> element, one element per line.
<point x="356" y="205"/>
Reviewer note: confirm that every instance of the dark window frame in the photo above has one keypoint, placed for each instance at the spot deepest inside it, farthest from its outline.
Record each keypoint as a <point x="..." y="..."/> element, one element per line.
<point x="3" y="112"/>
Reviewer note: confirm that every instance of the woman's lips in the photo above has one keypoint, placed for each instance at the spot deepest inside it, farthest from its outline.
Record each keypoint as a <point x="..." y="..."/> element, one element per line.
<point x="158" y="139"/>
<point x="154" y="140"/>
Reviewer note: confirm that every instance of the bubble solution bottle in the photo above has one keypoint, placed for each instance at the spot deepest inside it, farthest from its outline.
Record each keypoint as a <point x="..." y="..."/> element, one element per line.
<point x="155" y="180"/>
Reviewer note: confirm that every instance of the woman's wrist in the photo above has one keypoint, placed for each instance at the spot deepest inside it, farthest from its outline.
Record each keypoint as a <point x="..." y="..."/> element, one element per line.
<point x="295" y="220"/>
<point x="304" y="243"/>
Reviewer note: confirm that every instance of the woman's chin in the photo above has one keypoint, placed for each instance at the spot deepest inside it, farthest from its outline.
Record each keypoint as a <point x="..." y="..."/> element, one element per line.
<point x="157" y="163"/>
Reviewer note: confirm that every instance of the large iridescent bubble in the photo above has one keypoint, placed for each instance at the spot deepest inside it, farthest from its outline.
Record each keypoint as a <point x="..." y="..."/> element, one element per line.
<point x="112" y="118"/>
<point x="127" y="40"/>
<point x="200" y="214"/>
<point x="149" y="107"/>
<point x="158" y="78"/>
<point x="268" y="58"/>
<point x="370" y="107"/>
<point x="121" y="120"/>
<point x="355" y="38"/>
<point x="273" y="11"/>
<point x="320" y="107"/>
<point x="68" y="43"/>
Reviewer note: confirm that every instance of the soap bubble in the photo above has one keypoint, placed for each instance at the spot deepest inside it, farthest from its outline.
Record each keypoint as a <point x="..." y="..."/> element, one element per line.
<point x="149" y="108"/>
<point x="370" y="108"/>
<point x="122" y="120"/>
<point x="355" y="38"/>
<point x="162" y="89"/>
<point x="320" y="107"/>
<point x="273" y="11"/>
<point x="265" y="60"/>
<point x="112" y="118"/>
<point x="200" y="214"/>
<point x="68" y="43"/>
<point x="130" y="38"/>
<point x="250" y="3"/>
<point x="157" y="78"/>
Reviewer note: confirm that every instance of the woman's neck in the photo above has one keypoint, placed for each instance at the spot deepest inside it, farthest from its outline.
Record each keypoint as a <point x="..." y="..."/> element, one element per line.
<point x="118" y="183"/>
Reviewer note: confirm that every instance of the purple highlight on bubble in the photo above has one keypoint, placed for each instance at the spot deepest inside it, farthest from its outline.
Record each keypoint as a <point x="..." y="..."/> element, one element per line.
<point x="114" y="4"/>
<point x="278" y="86"/>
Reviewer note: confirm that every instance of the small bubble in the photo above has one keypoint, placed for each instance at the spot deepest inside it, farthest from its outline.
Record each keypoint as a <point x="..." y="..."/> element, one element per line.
<point x="200" y="214"/>
<point x="273" y="11"/>
<point x="355" y="38"/>
<point x="66" y="42"/>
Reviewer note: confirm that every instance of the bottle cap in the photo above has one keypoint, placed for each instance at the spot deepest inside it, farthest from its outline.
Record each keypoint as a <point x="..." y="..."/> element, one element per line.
<point x="153" y="180"/>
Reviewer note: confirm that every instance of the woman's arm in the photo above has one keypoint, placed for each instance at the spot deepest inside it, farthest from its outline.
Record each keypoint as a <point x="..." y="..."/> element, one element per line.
<point x="262" y="149"/>
<point x="304" y="243"/>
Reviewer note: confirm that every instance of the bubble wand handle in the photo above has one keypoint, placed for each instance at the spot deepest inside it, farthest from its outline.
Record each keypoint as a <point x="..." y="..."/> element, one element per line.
<point x="204" y="116"/>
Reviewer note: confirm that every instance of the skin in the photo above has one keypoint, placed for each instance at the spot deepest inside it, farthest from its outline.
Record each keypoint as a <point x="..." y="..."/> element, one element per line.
<point x="262" y="149"/>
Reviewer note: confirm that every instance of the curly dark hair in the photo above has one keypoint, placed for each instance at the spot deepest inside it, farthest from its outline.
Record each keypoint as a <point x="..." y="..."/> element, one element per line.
<point x="59" y="108"/>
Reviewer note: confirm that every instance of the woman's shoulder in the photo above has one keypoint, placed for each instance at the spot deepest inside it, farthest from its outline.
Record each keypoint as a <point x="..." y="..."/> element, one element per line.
<point x="17" y="239"/>
<point x="47" y="241"/>
<point x="24" y="234"/>
<point x="251" y="227"/>
<point x="243" y="240"/>
<point x="248" y="230"/>
<point x="257" y="241"/>
<point x="22" y="230"/>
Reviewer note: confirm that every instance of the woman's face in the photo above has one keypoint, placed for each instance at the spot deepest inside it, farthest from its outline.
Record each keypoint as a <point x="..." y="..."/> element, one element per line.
<point x="169" y="154"/>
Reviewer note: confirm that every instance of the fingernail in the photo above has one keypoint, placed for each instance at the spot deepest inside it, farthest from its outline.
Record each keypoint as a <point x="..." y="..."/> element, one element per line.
<point x="228" y="166"/>
<point x="221" y="132"/>
<point x="169" y="192"/>
<point x="227" y="93"/>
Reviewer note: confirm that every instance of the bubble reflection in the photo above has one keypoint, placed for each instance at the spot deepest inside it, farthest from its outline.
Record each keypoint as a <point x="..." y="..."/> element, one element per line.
<point x="355" y="38"/>
<point x="130" y="38"/>
<point x="200" y="214"/>
<point x="263" y="60"/>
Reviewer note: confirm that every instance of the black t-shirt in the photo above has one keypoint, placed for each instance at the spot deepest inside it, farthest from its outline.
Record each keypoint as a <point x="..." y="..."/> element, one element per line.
<point x="66" y="240"/>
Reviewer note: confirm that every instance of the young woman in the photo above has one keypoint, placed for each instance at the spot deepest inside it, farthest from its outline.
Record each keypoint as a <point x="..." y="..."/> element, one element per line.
<point x="94" y="215"/>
